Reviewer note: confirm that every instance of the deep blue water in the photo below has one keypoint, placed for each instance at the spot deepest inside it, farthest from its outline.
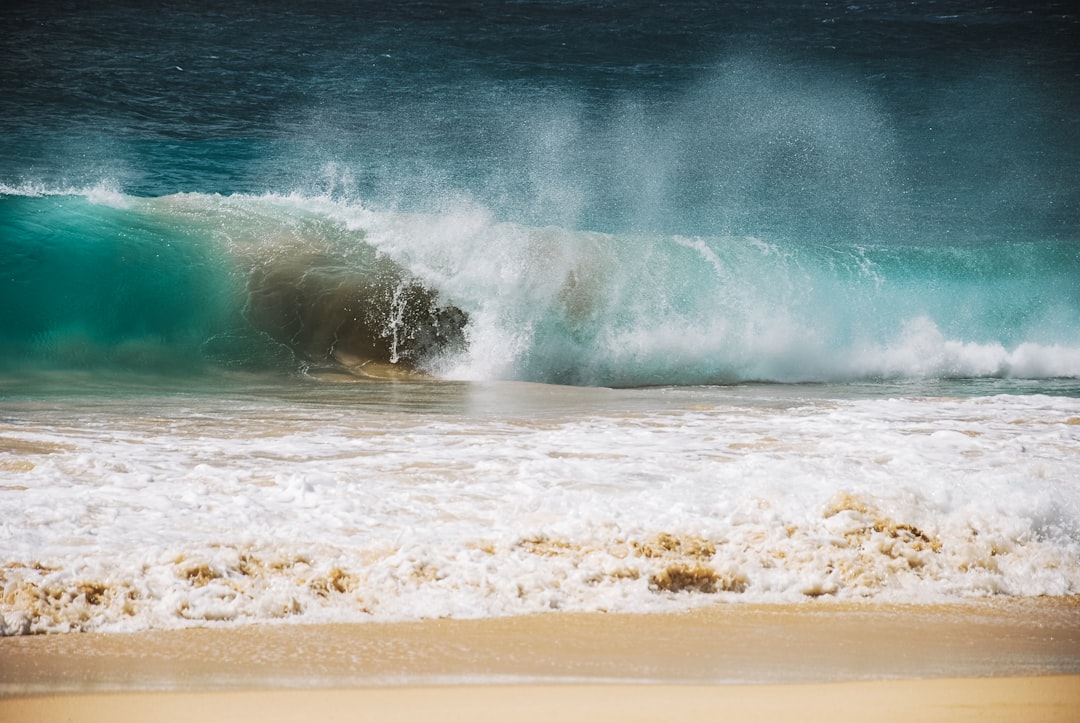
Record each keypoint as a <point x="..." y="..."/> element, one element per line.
<point x="796" y="191"/>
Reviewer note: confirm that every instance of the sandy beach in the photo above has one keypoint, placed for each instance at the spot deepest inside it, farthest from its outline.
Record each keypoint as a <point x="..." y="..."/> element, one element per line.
<point x="994" y="660"/>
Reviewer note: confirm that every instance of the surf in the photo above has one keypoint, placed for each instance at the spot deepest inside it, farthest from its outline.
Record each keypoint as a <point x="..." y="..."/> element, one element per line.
<point x="316" y="283"/>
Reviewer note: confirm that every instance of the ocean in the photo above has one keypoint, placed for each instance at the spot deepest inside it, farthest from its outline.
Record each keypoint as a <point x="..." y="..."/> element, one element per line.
<point x="347" y="311"/>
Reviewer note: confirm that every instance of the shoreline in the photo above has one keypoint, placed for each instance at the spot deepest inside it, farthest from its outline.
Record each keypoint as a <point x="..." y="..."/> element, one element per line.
<point x="960" y="661"/>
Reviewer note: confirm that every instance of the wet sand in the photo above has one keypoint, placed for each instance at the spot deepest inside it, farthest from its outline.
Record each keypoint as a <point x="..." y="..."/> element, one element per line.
<point x="992" y="660"/>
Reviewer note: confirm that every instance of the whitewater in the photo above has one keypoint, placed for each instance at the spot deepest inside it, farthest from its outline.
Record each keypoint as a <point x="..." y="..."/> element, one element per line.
<point x="391" y="501"/>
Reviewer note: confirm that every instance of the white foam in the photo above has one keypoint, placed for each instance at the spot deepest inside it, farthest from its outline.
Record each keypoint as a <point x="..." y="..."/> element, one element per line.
<point x="188" y="510"/>
<point x="108" y="194"/>
<point x="105" y="192"/>
<point x="923" y="351"/>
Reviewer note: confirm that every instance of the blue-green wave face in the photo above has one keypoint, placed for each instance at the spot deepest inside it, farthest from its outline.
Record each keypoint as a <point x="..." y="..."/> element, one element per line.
<point x="243" y="281"/>
<point x="95" y="283"/>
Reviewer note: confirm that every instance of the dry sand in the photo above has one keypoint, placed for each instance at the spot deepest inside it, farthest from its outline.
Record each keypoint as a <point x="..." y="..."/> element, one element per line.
<point x="1015" y="660"/>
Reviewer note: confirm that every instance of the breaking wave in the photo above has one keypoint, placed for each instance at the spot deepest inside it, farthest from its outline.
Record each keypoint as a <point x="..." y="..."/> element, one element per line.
<point x="188" y="280"/>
